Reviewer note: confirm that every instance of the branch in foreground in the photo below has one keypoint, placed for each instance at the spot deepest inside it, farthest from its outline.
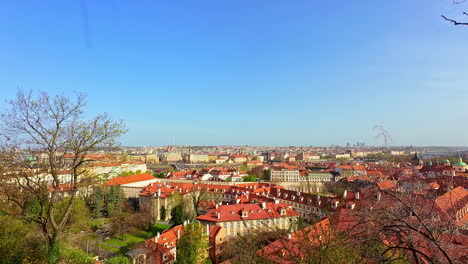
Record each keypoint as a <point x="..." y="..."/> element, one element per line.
<point x="456" y="23"/>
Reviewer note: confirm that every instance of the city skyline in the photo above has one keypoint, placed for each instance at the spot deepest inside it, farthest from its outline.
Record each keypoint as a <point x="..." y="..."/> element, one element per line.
<point x="248" y="73"/>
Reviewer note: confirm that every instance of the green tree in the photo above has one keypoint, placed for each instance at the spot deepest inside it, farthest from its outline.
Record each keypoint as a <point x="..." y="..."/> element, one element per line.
<point x="266" y="175"/>
<point x="118" y="260"/>
<point x="177" y="215"/>
<point x="159" y="175"/>
<point x="162" y="213"/>
<point x="192" y="247"/>
<point x="114" y="199"/>
<point x="250" y="178"/>
<point x="97" y="202"/>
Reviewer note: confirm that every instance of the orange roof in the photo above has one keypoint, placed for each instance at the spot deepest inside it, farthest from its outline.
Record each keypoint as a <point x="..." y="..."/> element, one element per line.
<point x="386" y="185"/>
<point x="129" y="179"/>
<point x="291" y="248"/>
<point x="451" y="198"/>
<point x="254" y="211"/>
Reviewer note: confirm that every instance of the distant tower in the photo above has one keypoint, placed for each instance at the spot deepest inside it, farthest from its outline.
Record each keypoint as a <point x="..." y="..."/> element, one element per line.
<point x="446" y="162"/>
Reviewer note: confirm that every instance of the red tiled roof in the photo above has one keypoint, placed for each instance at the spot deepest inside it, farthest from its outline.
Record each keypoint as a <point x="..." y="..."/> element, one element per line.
<point x="129" y="179"/>
<point x="294" y="247"/>
<point x="386" y="185"/>
<point x="451" y="198"/>
<point x="254" y="211"/>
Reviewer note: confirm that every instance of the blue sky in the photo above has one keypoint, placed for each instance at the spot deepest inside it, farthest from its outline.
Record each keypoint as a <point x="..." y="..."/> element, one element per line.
<point x="251" y="72"/>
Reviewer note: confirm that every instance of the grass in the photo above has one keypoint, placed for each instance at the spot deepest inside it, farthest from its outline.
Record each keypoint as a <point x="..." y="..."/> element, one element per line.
<point x="109" y="248"/>
<point x="131" y="238"/>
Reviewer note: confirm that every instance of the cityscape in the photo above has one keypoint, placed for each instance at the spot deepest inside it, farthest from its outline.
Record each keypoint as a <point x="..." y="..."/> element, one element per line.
<point x="234" y="132"/>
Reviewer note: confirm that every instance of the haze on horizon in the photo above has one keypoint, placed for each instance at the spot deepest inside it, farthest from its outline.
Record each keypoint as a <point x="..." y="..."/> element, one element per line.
<point x="274" y="73"/>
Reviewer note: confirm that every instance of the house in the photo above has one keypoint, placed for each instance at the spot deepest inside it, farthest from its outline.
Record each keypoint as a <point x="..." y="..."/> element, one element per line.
<point x="132" y="185"/>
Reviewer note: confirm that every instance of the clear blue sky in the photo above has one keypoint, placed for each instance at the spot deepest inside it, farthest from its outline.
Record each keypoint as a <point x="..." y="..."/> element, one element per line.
<point x="270" y="72"/>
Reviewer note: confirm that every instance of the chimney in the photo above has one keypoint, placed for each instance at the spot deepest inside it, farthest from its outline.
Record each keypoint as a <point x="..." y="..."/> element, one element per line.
<point x="276" y="201"/>
<point x="207" y="229"/>
<point x="178" y="233"/>
<point x="356" y="195"/>
<point x="379" y="195"/>
<point x="345" y="193"/>
<point x="216" y="206"/>
<point x="219" y="215"/>
<point x="289" y="236"/>
<point x="263" y="205"/>
<point x="159" y="192"/>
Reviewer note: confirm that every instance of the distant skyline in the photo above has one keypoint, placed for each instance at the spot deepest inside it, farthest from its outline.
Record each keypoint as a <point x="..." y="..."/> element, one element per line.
<point x="273" y="73"/>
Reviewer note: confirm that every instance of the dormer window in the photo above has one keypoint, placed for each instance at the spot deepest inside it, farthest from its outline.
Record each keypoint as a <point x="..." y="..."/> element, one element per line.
<point x="232" y="212"/>
<point x="309" y="201"/>
<point x="245" y="214"/>
<point x="301" y="199"/>
<point x="259" y="211"/>
<point x="293" y="197"/>
<point x="252" y="211"/>
<point x="285" y="195"/>
<point x="283" y="212"/>
<point x="278" y="195"/>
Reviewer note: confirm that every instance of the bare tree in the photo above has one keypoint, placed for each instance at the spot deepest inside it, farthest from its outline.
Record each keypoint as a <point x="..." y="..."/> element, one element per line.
<point x="455" y="22"/>
<point x="44" y="153"/>
<point x="410" y="221"/>
<point x="382" y="133"/>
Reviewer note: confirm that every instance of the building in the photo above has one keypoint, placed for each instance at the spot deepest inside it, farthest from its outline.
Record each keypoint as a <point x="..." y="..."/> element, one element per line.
<point x="454" y="205"/>
<point x="284" y="175"/>
<point x="238" y="219"/>
<point x="172" y="157"/>
<point x="295" y="246"/>
<point x="132" y="185"/>
<point x="460" y="166"/>
<point x="199" y="158"/>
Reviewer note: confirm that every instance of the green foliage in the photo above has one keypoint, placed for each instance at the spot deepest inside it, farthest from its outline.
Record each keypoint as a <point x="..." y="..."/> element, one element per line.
<point x="18" y="243"/>
<point x="79" y="212"/>
<point x="106" y="201"/>
<point x="193" y="245"/>
<point x="120" y="225"/>
<point x="71" y="255"/>
<point x="138" y="172"/>
<point x="177" y="215"/>
<point x="118" y="260"/>
<point x="162" y="212"/>
<point x="97" y="202"/>
<point x="159" y="175"/>
<point x="250" y="178"/>
<point x="243" y="168"/>
<point x="266" y="175"/>
<point x="229" y="179"/>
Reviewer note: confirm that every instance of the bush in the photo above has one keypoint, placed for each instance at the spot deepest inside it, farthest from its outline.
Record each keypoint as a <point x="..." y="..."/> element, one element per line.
<point x="70" y="255"/>
<point x="118" y="260"/>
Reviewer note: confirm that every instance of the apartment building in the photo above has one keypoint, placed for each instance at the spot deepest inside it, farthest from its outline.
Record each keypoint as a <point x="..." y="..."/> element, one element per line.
<point x="284" y="175"/>
<point x="238" y="219"/>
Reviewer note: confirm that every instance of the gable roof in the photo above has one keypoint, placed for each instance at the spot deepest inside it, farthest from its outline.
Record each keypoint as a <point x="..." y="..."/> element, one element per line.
<point x="130" y="179"/>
